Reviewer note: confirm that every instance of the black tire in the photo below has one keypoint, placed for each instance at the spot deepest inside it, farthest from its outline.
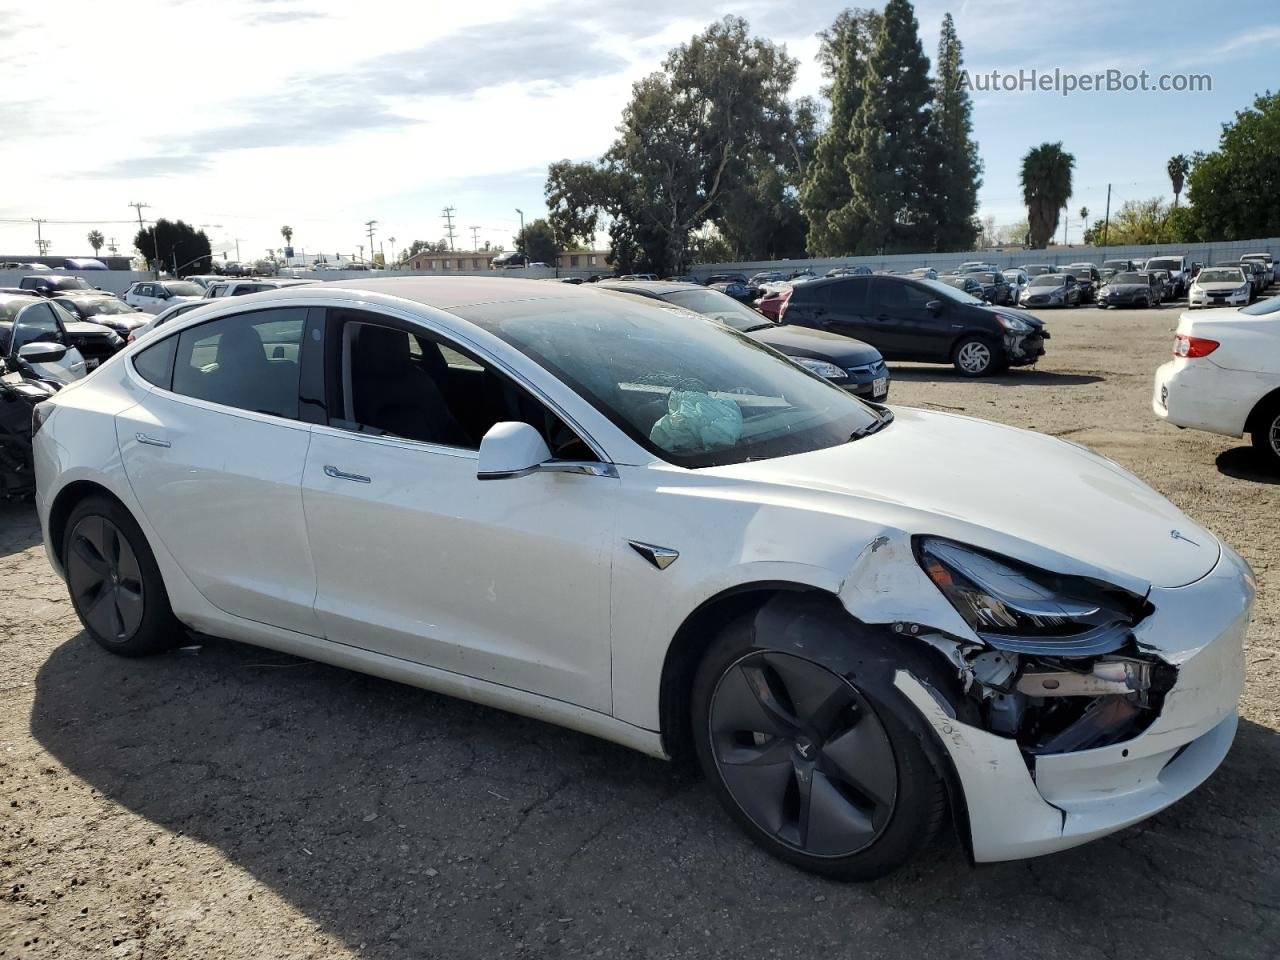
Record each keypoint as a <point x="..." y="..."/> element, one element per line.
<point x="1264" y="431"/>
<point x="968" y="356"/>
<point x="114" y="582"/>
<point x="826" y="839"/>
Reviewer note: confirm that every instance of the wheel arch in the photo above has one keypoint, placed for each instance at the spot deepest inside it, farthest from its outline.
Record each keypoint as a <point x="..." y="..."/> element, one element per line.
<point x="1266" y="402"/>
<point x="64" y="503"/>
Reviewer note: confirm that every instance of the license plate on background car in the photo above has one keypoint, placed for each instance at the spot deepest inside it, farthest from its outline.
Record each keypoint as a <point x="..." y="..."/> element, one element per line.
<point x="90" y="365"/>
<point x="879" y="386"/>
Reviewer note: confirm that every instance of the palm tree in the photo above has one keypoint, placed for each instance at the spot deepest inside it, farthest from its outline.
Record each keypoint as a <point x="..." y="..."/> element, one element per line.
<point x="287" y="232"/>
<point x="96" y="240"/>
<point x="1178" y="167"/>
<point x="1046" y="187"/>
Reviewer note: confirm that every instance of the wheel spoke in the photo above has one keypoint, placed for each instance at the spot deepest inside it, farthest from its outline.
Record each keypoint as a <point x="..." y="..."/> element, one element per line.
<point x="130" y="608"/>
<point x="816" y="694"/>
<point x="127" y="565"/>
<point x="832" y="825"/>
<point x="862" y="758"/>
<point x="761" y="789"/>
<point x="101" y="613"/>
<point x="84" y="550"/>
<point x="745" y="701"/>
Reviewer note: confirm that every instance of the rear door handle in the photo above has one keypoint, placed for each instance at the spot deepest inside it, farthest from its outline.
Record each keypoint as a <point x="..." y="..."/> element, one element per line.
<point x="336" y="474"/>
<point x="152" y="441"/>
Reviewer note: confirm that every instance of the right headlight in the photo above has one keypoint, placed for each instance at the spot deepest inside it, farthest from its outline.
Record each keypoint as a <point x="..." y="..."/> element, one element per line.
<point x="821" y="367"/>
<point x="1022" y="610"/>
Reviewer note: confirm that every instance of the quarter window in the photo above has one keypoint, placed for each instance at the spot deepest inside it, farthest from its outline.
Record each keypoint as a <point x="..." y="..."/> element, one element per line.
<point x="155" y="364"/>
<point x="249" y="361"/>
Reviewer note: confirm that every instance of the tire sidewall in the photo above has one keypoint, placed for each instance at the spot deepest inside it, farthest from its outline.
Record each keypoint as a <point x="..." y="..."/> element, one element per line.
<point x="992" y="366"/>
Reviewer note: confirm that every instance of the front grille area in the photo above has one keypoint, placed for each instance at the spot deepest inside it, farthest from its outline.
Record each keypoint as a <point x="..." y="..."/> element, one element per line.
<point x="877" y="369"/>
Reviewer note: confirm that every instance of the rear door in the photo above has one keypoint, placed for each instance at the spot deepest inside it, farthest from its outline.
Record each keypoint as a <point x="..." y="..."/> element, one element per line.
<point x="851" y="311"/>
<point x="215" y="454"/>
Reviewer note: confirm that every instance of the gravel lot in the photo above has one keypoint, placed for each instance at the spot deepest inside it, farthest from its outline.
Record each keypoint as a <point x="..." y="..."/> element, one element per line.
<point x="227" y="801"/>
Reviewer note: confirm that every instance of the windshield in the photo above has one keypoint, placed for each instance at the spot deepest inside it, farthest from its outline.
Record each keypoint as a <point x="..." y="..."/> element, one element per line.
<point x="949" y="292"/>
<point x="694" y="394"/>
<point x="69" y="283"/>
<point x="1011" y="275"/>
<point x="182" y="288"/>
<point x="1220" y="275"/>
<point x="1128" y="278"/>
<point x="1164" y="263"/>
<point x="1115" y="264"/>
<point x="106" y="307"/>
<point x="718" y="306"/>
<point x="1262" y="307"/>
<point x="1048" y="280"/>
<point x="1036" y="269"/>
<point x="9" y="308"/>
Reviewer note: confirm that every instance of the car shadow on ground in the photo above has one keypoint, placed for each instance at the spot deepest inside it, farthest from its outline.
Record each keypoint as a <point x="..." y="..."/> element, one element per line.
<point x="395" y="818"/>
<point x="1018" y="377"/>
<point x="1245" y="463"/>
<point x="19" y="526"/>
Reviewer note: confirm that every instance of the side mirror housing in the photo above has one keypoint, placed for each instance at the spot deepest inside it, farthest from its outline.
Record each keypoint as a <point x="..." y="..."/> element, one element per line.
<point x="934" y="307"/>
<point x="511" y="450"/>
<point x="40" y="352"/>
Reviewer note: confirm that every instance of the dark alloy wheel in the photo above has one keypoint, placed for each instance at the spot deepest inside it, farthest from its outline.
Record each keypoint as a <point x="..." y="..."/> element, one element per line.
<point x="114" y="582"/>
<point x="803" y="754"/>
<point x="1265" y="434"/>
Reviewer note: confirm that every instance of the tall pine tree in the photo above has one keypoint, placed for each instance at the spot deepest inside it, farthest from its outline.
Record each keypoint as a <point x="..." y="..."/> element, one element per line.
<point x="891" y="208"/>
<point x="956" y="167"/>
<point x="826" y="190"/>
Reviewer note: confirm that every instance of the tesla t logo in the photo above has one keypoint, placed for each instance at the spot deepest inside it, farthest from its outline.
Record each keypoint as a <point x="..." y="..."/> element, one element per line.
<point x="1177" y="535"/>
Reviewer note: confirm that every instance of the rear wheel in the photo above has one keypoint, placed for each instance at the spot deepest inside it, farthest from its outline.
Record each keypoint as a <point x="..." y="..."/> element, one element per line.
<point x="807" y="765"/>
<point x="975" y="356"/>
<point x="114" y="582"/>
<point x="1265" y="433"/>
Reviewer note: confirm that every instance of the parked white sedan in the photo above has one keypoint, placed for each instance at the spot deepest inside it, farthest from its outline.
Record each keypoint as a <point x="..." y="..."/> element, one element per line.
<point x="1219" y="287"/>
<point x="588" y="510"/>
<point x="152" y="296"/>
<point x="1225" y="375"/>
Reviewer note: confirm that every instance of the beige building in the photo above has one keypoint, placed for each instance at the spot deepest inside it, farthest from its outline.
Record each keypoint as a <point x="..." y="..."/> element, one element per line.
<point x="582" y="260"/>
<point x="453" y="261"/>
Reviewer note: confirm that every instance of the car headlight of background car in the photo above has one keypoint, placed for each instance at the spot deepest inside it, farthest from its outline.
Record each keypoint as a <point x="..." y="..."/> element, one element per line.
<point x="1015" y="608"/>
<point x="1013" y="324"/>
<point x="821" y="367"/>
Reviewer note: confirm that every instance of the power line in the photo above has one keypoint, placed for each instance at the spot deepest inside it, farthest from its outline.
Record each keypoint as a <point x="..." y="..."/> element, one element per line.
<point x="447" y="213"/>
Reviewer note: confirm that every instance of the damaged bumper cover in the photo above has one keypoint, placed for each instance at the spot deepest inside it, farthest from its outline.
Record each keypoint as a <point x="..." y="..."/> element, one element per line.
<point x="1024" y="800"/>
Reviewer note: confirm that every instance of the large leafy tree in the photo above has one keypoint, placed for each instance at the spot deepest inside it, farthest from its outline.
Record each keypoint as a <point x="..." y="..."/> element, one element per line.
<point x="170" y="244"/>
<point x="537" y="241"/>
<point x="1046" y="188"/>
<point x="956" y="167"/>
<point x="1178" y="167"/>
<point x="1234" y="192"/>
<point x="690" y="135"/>
<point x="844" y="51"/>
<point x="889" y="166"/>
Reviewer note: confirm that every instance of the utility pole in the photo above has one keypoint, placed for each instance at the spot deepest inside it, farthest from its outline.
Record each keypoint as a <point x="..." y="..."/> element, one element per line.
<point x="155" y="240"/>
<point x="369" y="225"/>
<point x="1066" y="219"/>
<point x="111" y="245"/>
<point x="521" y="212"/>
<point x="447" y="213"/>
<point x="39" y="237"/>
<point x="475" y="237"/>
<point x="392" y="241"/>
<point x="1107" y="220"/>
<point x="238" y="239"/>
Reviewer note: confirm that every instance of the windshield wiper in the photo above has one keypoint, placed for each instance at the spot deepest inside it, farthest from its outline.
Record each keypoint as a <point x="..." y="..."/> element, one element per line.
<point x="886" y="418"/>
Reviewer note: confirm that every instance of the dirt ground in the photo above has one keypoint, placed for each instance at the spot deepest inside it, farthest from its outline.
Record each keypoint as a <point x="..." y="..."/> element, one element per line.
<point x="227" y="801"/>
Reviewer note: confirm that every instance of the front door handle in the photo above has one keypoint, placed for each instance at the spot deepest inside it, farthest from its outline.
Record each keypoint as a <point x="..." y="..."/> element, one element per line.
<point x="152" y="441"/>
<point x="336" y="474"/>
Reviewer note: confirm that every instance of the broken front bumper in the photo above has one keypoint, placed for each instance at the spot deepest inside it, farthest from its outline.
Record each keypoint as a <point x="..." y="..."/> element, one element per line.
<point x="1019" y="810"/>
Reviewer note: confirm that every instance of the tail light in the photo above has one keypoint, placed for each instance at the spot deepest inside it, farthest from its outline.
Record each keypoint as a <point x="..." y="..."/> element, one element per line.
<point x="1192" y="347"/>
<point x="782" y="310"/>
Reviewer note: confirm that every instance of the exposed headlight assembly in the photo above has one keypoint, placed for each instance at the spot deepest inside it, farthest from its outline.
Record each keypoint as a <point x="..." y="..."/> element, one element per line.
<point x="1013" y="324"/>
<point x="1022" y="610"/>
<point x="821" y="367"/>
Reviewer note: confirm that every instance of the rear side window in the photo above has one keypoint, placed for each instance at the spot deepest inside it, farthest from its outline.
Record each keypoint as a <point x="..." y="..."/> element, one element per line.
<point x="155" y="364"/>
<point x="850" y="294"/>
<point x="811" y="295"/>
<point x="249" y="361"/>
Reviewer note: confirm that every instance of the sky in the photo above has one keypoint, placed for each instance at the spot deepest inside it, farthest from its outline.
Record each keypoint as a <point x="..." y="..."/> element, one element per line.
<point x="244" y="115"/>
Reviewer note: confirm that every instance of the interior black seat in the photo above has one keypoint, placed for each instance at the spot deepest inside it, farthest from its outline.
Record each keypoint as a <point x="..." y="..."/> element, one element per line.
<point x="393" y="394"/>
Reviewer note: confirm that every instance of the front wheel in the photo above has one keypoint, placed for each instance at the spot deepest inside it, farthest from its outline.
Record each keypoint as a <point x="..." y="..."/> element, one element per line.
<point x="114" y="582"/>
<point x="974" y="356"/>
<point x="1265" y="434"/>
<point x="807" y="765"/>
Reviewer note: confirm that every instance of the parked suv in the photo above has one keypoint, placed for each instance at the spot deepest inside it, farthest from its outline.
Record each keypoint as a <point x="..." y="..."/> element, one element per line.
<point x="924" y="320"/>
<point x="152" y="296"/>
<point x="1179" y="269"/>
<point x="46" y="286"/>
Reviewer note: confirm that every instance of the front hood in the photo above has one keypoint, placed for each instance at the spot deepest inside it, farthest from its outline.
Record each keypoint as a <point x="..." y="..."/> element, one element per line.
<point x="1023" y="315"/>
<point x="1220" y="286"/>
<point x="1124" y="289"/>
<point x="804" y="342"/>
<point x="1045" y="501"/>
<point x="89" y="330"/>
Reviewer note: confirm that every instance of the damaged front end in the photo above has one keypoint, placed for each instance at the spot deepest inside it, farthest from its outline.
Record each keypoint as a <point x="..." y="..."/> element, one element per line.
<point x="1058" y="668"/>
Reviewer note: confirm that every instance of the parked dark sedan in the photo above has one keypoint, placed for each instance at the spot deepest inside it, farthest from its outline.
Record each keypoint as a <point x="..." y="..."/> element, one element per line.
<point x="850" y="364"/>
<point x="968" y="283"/>
<point x="995" y="288"/>
<point x="1088" y="277"/>
<point x="106" y="309"/>
<point x="1128" y="289"/>
<point x="925" y="320"/>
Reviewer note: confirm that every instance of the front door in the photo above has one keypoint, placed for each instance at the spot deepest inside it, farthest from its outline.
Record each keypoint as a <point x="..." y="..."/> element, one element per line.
<point x="215" y="455"/>
<point x="38" y="323"/>
<point x="502" y="580"/>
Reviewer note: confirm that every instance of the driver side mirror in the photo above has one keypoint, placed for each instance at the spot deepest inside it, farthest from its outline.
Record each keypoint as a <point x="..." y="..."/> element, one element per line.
<point x="934" y="307"/>
<point x="510" y="450"/>
<point x="41" y="352"/>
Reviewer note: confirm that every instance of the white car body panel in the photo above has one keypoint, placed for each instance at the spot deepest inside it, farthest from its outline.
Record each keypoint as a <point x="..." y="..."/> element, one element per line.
<point x="524" y="593"/>
<point x="1218" y="392"/>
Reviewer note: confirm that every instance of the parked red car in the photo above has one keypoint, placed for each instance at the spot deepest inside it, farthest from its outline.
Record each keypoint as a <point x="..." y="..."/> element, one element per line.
<point x="771" y="303"/>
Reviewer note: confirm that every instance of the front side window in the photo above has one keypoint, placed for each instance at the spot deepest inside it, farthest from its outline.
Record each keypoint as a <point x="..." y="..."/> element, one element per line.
<point x="249" y="361"/>
<point x="36" y="324"/>
<point x="183" y="288"/>
<point x="694" y="394"/>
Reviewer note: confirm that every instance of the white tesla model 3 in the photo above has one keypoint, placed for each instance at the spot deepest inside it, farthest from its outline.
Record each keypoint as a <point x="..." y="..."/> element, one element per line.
<point x="595" y="513"/>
